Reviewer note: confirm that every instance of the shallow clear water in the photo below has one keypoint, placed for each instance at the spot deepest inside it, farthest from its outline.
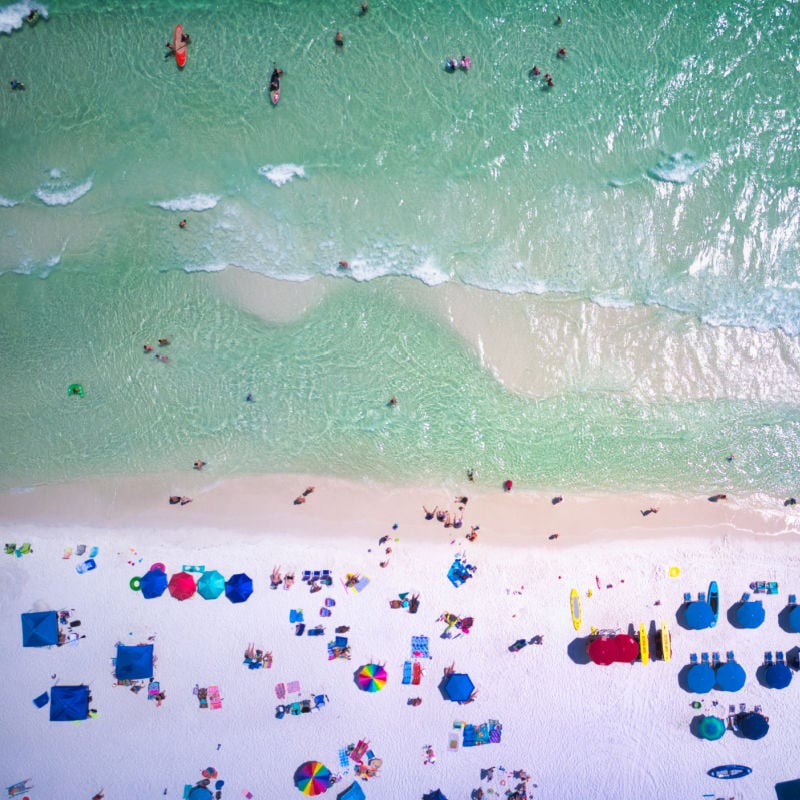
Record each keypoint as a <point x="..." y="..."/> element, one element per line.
<point x="658" y="173"/>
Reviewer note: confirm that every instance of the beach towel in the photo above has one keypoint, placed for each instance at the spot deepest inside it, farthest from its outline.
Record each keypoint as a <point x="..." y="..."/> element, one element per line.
<point x="296" y="615"/>
<point x="361" y="584"/>
<point x="407" y="672"/>
<point x="280" y="690"/>
<point x="416" y="673"/>
<point x="153" y="688"/>
<point x="344" y="758"/>
<point x="214" y="697"/>
<point x="293" y="687"/>
<point x="420" y="647"/>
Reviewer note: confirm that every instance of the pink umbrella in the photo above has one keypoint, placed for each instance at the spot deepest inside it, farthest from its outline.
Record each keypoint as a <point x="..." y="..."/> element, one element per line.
<point x="182" y="586"/>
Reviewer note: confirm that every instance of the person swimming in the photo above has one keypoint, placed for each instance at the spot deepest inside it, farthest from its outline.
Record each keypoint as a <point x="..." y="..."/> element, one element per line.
<point x="17" y="86"/>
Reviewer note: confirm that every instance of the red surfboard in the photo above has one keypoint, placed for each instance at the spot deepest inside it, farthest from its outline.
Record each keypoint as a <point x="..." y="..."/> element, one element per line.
<point x="179" y="46"/>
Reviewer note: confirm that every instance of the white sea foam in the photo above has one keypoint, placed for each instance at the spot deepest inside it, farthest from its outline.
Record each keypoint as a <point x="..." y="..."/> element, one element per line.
<point x="280" y="174"/>
<point x="12" y="17"/>
<point x="677" y="168"/>
<point x="62" y="192"/>
<point x="194" y="202"/>
<point x="5" y="202"/>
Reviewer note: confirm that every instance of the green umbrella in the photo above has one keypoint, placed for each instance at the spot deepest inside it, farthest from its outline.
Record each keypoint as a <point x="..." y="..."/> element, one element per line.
<point x="211" y="585"/>
<point x="711" y="728"/>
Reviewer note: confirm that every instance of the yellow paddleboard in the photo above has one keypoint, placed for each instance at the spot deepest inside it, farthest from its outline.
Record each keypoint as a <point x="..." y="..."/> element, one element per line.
<point x="575" y="608"/>
<point x="666" y="641"/>
<point x="644" y="645"/>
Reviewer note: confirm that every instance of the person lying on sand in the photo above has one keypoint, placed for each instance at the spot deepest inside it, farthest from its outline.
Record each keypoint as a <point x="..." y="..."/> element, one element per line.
<point x="432" y="514"/>
<point x="288" y="580"/>
<point x="308" y="491"/>
<point x="299" y="500"/>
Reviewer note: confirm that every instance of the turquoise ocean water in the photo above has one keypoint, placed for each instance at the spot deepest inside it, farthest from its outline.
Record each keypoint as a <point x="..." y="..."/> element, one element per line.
<point x="659" y="173"/>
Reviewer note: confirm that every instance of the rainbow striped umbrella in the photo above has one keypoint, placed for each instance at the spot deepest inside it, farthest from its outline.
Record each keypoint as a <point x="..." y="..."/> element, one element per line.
<point x="312" y="778"/>
<point x="371" y="678"/>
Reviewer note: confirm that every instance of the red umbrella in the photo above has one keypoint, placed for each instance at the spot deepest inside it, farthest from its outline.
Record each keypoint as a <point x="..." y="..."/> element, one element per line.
<point x="627" y="648"/>
<point x="182" y="586"/>
<point x="602" y="651"/>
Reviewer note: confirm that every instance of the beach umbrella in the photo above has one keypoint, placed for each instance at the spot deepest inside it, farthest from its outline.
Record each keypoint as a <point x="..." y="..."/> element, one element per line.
<point x="238" y="587"/>
<point x="199" y="793"/>
<point x="39" y="628"/>
<point x="434" y="795"/>
<point x="458" y="687"/>
<point x="778" y="676"/>
<point x="753" y="725"/>
<point x="602" y="650"/>
<point x="701" y="679"/>
<point x="371" y="678"/>
<point x="627" y="648"/>
<point x="312" y="778"/>
<point x="153" y="584"/>
<point x="794" y="619"/>
<point x="711" y="728"/>
<point x="730" y="676"/>
<point x="69" y="703"/>
<point x="352" y="792"/>
<point x="182" y="586"/>
<point x="750" y="614"/>
<point x="699" y="615"/>
<point x="211" y="585"/>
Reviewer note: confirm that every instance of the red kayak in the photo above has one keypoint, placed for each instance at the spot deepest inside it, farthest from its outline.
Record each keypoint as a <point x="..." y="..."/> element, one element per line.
<point x="179" y="46"/>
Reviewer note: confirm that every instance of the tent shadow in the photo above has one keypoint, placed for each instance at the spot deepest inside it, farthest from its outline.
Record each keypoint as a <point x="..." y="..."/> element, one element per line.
<point x="576" y="650"/>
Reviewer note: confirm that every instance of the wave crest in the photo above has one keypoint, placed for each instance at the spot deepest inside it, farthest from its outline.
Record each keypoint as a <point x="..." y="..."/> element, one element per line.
<point x="12" y="17"/>
<point x="280" y="174"/>
<point x="194" y="202"/>
<point x="62" y="192"/>
<point x="677" y="168"/>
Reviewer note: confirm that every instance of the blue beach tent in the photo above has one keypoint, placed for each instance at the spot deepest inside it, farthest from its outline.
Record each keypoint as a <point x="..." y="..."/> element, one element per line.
<point x="153" y="584"/>
<point x="701" y="679"/>
<point x="134" y="662"/>
<point x="750" y="614"/>
<point x="730" y="676"/>
<point x="778" y="676"/>
<point x="794" y="619"/>
<point x="69" y="703"/>
<point x="699" y="615"/>
<point x="39" y="629"/>
<point x="238" y="587"/>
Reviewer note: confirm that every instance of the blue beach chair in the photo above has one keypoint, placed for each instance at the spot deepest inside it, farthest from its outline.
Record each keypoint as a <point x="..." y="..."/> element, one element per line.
<point x="693" y="658"/>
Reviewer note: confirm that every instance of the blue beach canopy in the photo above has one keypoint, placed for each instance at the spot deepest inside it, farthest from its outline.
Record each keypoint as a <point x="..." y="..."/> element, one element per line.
<point x="153" y="584"/>
<point x="238" y="587"/>
<point x="134" y="662"/>
<point x="750" y="614"/>
<point x="699" y="615"/>
<point x="211" y="585"/>
<point x="39" y="629"/>
<point x="730" y="676"/>
<point x="778" y="676"/>
<point x="69" y="703"/>
<point x="458" y="687"/>
<point x="753" y="726"/>
<point x="794" y="619"/>
<point x="352" y="792"/>
<point x="701" y="678"/>
<point x="434" y="795"/>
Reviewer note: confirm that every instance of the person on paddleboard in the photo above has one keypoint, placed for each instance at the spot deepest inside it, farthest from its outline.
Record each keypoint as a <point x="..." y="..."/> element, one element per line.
<point x="275" y="80"/>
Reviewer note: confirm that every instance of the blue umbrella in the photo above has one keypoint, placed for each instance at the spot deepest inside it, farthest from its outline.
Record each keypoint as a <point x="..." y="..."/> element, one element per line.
<point x="753" y="726"/>
<point x="794" y="619"/>
<point x="699" y="615"/>
<point x="153" y="584"/>
<point x="778" y="676"/>
<point x="750" y="614"/>
<point x="238" y="587"/>
<point x="701" y="678"/>
<point x="458" y="687"/>
<point x="730" y="676"/>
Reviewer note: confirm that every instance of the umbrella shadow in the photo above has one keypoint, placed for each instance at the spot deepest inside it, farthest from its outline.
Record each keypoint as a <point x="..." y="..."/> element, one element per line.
<point x="683" y="678"/>
<point x="694" y="726"/>
<point x="680" y="617"/>
<point x="577" y="652"/>
<point x="731" y="614"/>
<point x="783" y="619"/>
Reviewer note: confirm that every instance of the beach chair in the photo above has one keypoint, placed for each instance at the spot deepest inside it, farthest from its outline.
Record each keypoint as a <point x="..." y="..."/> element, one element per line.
<point x="344" y="758"/>
<point x="729" y="655"/>
<point x="779" y="657"/>
<point x="772" y="587"/>
<point x="324" y="612"/>
<point x="715" y="659"/>
<point x="768" y="660"/>
<point x="745" y="596"/>
<point x="407" y="666"/>
<point x="416" y="673"/>
<point x="306" y="575"/>
<point x="693" y="658"/>
<point x="687" y="597"/>
<point x="792" y="599"/>
<point x="701" y="596"/>
<point x="704" y="658"/>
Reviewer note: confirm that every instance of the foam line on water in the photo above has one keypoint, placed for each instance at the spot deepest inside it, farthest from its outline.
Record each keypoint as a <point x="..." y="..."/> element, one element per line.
<point x="12" y="17"/>
<point x="281" y="174"/>
<point x="192" y="202"/>
<point x="62" y="192"/>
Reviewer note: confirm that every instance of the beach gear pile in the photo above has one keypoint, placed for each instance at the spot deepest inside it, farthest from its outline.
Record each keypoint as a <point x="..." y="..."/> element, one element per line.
<point x="489" y="732"/>
<point x="460" y="571"/>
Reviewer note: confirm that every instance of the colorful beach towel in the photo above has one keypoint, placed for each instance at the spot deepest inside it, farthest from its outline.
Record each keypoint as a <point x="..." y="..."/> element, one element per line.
<point x="419" y="647"/>
<point x="214" y="697"/>
<point x="293" y="687"/>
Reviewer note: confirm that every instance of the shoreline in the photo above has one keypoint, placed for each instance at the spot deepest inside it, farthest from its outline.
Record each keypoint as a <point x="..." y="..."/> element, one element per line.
<point x="338" y="507"/>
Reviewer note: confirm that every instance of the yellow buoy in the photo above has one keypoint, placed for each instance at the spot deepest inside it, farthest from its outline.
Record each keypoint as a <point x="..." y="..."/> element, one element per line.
<point x="674" y="572"/>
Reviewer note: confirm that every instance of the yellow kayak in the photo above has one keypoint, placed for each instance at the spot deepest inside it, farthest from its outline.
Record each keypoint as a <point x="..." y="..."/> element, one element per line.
<point x="575" y="608"/>
<point x="644" y="645"/>
<point x="666" y="641"/>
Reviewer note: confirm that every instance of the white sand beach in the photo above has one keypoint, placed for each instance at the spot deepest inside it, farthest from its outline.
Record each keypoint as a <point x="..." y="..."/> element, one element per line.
<point x="616" y="731"/>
